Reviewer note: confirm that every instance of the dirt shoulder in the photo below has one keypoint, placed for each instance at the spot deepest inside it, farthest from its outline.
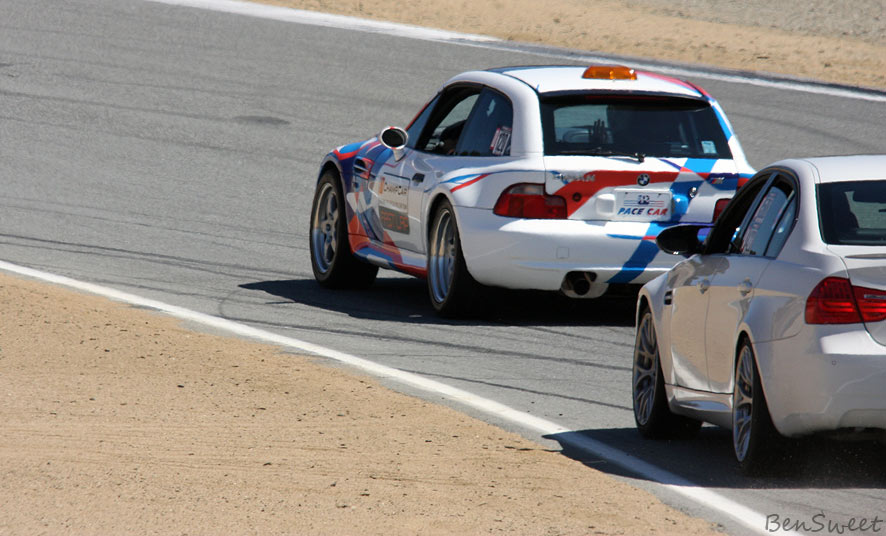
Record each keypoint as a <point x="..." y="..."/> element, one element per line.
<point x="841" y="42"/>
<point x="118" y="420"/>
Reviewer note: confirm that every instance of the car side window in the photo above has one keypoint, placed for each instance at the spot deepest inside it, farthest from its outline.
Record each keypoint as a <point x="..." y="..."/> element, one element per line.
<point x="763" y="224"/>
<point x="729" y="224"/>
<point x="488" y="129"/>
<point x="418" y="124"/>
<point x="783" y="229"/>
<point x="446" y="122"/>
<point x="853" y="212"/>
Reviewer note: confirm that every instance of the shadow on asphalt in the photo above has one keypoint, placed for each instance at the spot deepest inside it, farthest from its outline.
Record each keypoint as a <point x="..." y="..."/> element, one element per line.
<point x="707" y="460"/>
<point x="406" y="300"/>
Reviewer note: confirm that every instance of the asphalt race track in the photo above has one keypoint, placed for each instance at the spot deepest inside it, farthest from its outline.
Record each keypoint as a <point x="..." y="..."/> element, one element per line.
<point x="171" y="152"/>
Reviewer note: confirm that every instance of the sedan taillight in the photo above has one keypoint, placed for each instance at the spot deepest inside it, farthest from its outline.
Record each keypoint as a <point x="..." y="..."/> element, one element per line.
<point x="835" y="301"/>
<point x="530" y="201"/>
<point x="872" y="304"/>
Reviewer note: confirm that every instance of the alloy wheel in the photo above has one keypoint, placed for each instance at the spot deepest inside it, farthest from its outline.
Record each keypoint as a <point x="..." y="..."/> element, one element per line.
<point x="645" y="370"/>
<point x="743" y="403"/>
<point x="442" y="257"/>
<point x="324" y="227"/>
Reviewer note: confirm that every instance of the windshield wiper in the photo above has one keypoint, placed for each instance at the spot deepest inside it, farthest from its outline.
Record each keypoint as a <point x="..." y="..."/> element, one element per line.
<point x="599" y="151"/>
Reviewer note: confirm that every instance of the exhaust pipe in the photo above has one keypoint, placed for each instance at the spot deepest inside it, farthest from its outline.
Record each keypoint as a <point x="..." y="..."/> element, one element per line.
<point x="582" y="285"/>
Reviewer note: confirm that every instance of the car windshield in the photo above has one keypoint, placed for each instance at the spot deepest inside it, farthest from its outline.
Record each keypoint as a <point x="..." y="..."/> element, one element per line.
<point x="604" y="125"/>
<point x="853" y="212"/>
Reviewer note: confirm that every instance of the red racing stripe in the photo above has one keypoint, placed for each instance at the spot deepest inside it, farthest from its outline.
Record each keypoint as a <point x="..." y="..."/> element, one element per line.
<point x="470" y="182"/>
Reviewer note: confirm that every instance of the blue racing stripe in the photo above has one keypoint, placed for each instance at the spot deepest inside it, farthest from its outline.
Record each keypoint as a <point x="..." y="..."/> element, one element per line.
<point x="643" y="255"/>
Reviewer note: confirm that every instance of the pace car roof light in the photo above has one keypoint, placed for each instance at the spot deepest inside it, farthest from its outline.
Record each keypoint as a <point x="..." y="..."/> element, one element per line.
<point x="609" y="72"/>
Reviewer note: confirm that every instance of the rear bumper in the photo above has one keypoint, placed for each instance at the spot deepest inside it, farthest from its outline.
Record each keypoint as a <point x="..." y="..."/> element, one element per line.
<point x="834" y="380"/>
<point x="538" y="254"/>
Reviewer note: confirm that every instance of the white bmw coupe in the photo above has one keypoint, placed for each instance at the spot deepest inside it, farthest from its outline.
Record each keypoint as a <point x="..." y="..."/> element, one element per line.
<point x="547" y="178"/>
<point x="775" y="325"/>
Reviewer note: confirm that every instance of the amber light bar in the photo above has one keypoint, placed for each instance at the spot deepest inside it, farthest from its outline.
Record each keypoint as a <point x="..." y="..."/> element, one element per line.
<point x="610" y="72"/>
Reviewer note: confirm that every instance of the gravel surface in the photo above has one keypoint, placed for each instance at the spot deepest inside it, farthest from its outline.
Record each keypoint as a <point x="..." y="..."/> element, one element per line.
<point x="860" y="19"/>
<point x="840" y="42"/>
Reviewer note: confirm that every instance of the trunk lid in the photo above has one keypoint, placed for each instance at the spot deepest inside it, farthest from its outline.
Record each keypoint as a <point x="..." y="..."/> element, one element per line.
<point x="623" y="188"/>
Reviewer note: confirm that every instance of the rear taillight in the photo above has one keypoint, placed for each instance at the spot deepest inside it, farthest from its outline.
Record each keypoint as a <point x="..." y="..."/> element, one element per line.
<point x="872" y="303"/>
<point x="836" y="301"/>
<point x="719" y="207"/>
<point x="530" y="201"/>
<point x="831" y="302"/>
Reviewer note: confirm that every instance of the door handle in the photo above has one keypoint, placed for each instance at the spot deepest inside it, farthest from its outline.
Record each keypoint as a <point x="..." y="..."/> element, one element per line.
<point x="745" y="287"/>
<point x="703" y="285"/>
<point x="669" y="297"/>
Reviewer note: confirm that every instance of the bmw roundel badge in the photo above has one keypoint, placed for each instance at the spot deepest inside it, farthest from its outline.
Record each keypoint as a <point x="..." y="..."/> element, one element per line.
<point x="642" y="179"/>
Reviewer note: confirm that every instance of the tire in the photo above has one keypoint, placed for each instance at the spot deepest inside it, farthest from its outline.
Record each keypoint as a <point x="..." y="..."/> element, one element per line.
<point x="652" y="415"/>
<point x="452" y="289"/>
<point x="332" y="261"/>
<point x="755" y="441"/>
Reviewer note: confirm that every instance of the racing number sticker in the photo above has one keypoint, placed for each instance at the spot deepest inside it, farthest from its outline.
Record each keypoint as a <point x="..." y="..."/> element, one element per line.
<point x="501" y="142"/>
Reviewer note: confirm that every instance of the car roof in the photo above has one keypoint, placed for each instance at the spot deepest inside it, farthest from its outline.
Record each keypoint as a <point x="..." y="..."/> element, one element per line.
<point x="846" y="168"/>
<point x="568" y="78"/>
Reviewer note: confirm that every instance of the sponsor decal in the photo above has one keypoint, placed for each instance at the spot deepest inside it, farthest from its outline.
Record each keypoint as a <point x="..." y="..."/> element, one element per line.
<point x="566" y="178"/>
<point x="393" y="192"/>
<point x="396" y="189"/>
<point x="391" y="220"/>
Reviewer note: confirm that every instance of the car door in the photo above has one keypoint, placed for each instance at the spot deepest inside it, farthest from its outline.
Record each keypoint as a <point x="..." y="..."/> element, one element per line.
<point x="689" y="282"/>
<point x="398" y="186"/>
<point x="732" y="290"/>
<point x="689" y="295"/>
<point x="468" y="129"/>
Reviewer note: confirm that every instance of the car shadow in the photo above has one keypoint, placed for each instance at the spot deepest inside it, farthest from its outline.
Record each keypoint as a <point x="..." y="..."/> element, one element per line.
<point x="707" y="460"/>
<point x="406" y="300"/>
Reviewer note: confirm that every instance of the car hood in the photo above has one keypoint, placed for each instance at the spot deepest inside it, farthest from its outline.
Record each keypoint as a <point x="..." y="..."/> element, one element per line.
<point x="654" y="190"/>
<point x="867" y="268"/>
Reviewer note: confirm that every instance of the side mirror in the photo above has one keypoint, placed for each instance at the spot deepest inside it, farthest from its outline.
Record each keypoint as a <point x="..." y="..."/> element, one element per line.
<point x="680" y="240"/>
<point x="394" y="138"/>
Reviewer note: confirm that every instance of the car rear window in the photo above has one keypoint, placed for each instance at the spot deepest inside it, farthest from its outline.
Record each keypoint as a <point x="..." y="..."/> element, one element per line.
<point x="616" y="125"/>
<point x="853" y="212"/>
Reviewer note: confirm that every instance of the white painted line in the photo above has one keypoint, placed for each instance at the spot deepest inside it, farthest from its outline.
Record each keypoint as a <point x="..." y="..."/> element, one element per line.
<point x="745" y="516"/>
<point x="429" y="34"/>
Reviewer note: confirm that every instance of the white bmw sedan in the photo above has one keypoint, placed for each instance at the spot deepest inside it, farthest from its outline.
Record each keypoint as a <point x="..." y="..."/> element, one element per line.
<point x="775" y="325"/>
<point x="551" y="178"/>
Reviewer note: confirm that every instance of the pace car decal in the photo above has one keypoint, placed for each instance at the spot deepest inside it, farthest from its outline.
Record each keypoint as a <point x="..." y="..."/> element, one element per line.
<point x="647" y="204"/>
<point x="578" y="191"/>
